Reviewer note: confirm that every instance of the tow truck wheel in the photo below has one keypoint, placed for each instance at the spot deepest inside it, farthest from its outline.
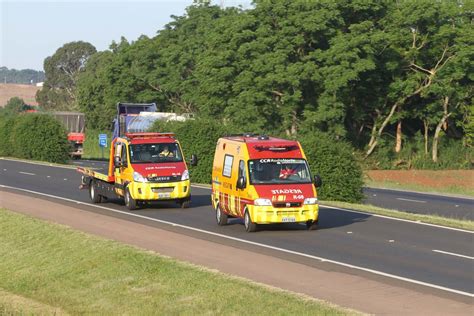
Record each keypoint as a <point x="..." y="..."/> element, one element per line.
<point x="312" y="225"/>
<point x="221" y="217"/>
<point x="130" y="202"/>
<point x="95" y="197"/>
<point x="249" y="225"/>
<point x="185" y="203"/>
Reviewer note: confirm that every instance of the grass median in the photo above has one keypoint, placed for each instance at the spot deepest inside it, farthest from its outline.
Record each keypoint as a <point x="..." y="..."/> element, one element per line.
<point x="48" y="267"/>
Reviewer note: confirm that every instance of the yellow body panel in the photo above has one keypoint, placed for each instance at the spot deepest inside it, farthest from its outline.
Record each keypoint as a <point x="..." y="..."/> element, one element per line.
<point x="147" y="191"/>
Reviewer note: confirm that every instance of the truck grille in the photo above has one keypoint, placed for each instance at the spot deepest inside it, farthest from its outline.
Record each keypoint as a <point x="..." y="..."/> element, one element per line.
<point x="289" y="204"/>
<point x="161" y="179"/>
<point x="163" y="190"/>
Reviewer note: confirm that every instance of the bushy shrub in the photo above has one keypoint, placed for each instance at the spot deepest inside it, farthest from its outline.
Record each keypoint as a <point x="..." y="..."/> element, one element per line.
<point x="337" y="165"/>
<point x="197" y="137"/>
<point x="39" y="137"/>
<point x="6" y="124"/>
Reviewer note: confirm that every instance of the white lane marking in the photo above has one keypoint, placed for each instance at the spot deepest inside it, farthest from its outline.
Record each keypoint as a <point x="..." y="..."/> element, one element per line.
<point x="456" y="205"/>
<point x="349" y="232"/>
<point x="347" y="265"/>
<point x="409" y="200"/>
<point x="4" y="169"/>
<point x="376" y="215"/>
<point x="27" y="173"/>
<point x="453" y="254"/>
<point x="48" y="176"/>
<point x="65" y="179"/>
<point x="391" y="240"/>
<point x="437" y="194"/>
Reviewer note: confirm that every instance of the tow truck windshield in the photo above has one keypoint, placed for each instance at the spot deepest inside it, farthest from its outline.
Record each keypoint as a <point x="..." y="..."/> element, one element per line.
<point x="155" y="153"/>
<point x="279" y="171"/>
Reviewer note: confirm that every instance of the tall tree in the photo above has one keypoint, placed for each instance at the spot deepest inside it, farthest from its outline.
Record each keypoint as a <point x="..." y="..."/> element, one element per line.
<point x="62" y="69"/>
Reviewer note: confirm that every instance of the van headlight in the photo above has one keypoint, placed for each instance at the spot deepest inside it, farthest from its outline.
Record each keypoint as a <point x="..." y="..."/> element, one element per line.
<point x="262" y="202"/>
<point x="185" y="175"/>
<point x="138" y="177"/>
<point x="310" y="201"/>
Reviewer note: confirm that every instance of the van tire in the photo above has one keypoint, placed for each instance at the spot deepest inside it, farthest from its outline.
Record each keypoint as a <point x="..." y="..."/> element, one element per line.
<point x="312" y="225"/>
<point x="93" y="192"/>
<point x="249" y="225"/>
<point x="221" y="217"/>
<point x="130" y="202"/>
<point x="185" y="203"/>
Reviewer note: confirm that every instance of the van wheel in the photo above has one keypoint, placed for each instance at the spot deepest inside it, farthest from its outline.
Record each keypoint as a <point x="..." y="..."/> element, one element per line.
<point x="249" y="225"/>
<point x="312" y="225"/>
<point x="130" y="202"/>
<point x="221" y="217"/>
<point x="93" y="192"/>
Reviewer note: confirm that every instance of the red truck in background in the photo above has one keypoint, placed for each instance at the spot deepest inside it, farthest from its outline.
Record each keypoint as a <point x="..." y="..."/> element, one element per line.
<point x="74" y="122"/>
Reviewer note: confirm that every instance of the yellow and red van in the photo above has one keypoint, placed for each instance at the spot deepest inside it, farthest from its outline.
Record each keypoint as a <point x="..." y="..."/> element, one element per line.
<point x="263" y="180"/>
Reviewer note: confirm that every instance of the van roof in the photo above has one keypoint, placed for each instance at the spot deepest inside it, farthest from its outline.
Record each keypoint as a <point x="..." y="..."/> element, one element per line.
<point x="261" y="146"/>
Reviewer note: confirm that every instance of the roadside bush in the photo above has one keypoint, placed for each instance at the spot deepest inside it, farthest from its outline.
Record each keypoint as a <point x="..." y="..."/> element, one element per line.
<point x="6" y="124"/>
<point x="197" y="137"/>
<point x="39" y="137"/>
<point x="337" y="165"/>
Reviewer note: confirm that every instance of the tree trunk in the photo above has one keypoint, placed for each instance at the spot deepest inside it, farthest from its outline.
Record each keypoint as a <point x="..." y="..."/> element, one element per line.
<point x="426" y="126"/>
<point x="398" y="142"/>
<point x="434" y="151"/>
<point x="374" y="138"/>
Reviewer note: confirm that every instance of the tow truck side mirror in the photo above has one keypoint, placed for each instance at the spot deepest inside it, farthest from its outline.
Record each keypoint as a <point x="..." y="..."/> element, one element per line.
<point x="194" y="160"/>
<point x="117" y="162"/>
<point x="317" y="181"/>
<point x="241" y="183"/>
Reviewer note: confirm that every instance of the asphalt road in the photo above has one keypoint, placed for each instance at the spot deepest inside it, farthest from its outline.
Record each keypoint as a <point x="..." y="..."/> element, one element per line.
<point x="406" y="201"/>
<point x="433" y="256"/>
<point x="421" y="203"/>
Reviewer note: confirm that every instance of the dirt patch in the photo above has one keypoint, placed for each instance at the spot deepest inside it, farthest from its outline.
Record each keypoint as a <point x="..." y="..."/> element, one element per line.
<point x="24" y="91"/>
<point x="432" y="179"/>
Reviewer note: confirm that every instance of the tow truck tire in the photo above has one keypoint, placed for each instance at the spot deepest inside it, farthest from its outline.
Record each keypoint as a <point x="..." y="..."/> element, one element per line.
<point x="312" y="225"/>
<point x="249" y="225"/>
<point x="185" y="203"/>
<point x="221" y="217"/>
<point x="95" y="197"/>
<point x="130" y="202"/>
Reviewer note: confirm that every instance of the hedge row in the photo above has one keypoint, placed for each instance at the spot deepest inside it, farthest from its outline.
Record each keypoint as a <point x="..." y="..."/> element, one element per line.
<point x="33" y="136"/>
<point x="333" y="160"/>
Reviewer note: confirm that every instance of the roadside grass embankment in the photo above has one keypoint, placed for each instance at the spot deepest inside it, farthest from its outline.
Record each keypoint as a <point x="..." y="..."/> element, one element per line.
<point x="451" y="182"/>
<point x="424" y="218"/>
<point x="48" y="267"/>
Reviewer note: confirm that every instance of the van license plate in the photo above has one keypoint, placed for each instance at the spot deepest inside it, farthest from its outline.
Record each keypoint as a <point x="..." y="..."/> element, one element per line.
<point x="164" y="195"/>
<point x="288" y="219"/>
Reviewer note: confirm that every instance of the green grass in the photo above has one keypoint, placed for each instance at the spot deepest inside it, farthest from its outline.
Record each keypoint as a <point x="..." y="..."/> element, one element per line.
<point x="431" y="219"/>
<point x="451" y="190"/>
<point x="91" y="145"/>
<point x="61" y="269"/>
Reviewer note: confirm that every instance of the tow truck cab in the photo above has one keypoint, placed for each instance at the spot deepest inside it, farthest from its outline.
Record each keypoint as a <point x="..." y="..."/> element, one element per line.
<point x="149" y="167"/>
<point x="263" y="180"/>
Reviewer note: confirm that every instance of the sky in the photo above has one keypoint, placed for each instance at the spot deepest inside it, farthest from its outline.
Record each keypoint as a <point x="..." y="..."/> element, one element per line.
<point x="32" y="30"/>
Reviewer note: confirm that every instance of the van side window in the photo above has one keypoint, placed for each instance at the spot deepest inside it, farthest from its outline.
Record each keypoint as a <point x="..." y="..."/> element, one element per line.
<point x="227" y="170"/>
<point x="242" y="172"/>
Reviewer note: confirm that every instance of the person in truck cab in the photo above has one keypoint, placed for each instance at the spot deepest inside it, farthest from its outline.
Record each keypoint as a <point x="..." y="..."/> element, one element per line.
<point x="286" y="172"/>
<point x="166" y="152"/>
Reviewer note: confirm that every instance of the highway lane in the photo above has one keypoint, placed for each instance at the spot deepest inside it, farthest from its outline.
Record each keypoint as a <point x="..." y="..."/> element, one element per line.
<point x="421" y="203"/>
<point x="406" y="201"/>
<point x="438" y="256"/>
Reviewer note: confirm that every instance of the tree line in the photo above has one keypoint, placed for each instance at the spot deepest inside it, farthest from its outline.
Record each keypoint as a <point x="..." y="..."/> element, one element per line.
<point x="24" y="76"/>
<point x="393" y="78"/>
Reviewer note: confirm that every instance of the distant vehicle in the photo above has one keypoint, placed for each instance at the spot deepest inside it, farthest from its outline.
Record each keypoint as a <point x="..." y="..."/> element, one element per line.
<point x="263" y="180"/>
<point x="74" y="122"/>
<point x="143" y="167"/>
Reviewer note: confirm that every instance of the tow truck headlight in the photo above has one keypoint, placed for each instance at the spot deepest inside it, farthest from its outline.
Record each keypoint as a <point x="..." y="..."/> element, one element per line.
<point x="310" y="201"/>
<point x="185" y="175"/>
<point x="138" y="177"/>
<point x="262" y="202"/>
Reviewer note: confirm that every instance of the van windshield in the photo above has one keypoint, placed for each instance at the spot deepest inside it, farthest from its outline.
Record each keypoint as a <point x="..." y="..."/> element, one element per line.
<point x="279" y="171"/>
<point x="155" y="153"/>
